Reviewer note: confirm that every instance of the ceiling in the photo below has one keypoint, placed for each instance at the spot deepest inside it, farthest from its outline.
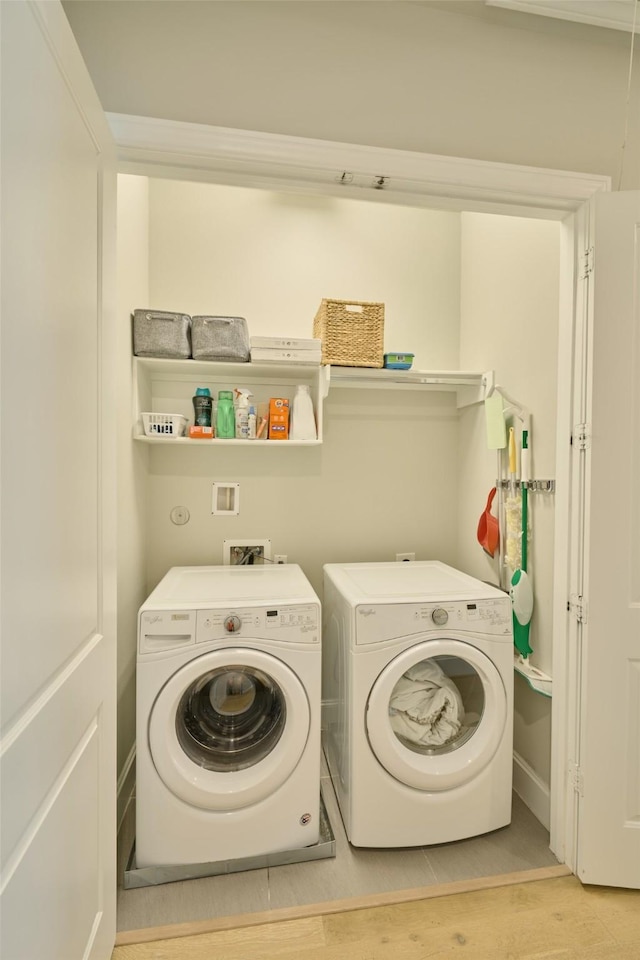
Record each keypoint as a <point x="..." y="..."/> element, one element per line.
<point x="615" y="14"/>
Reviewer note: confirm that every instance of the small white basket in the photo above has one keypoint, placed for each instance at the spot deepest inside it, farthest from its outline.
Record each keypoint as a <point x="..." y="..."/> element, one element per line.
<point x="164" y="424"/>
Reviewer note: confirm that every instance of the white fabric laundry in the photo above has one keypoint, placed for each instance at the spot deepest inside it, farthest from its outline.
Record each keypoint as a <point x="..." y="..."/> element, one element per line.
<point x="426" y="707"/>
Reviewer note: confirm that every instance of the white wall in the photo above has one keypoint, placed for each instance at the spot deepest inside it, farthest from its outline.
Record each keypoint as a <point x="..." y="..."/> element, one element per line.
<point x="133" y="289"/>
<point x="451" y="78"/>
<point x="272" y="257"/>
<point x="374" y="488"/>
<point x="385" y="479"/>
<point x="509" y="323"/>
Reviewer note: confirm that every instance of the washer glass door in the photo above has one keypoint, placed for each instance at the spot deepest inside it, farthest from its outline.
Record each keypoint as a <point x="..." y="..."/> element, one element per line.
<point x="436" y="714"/>
<point x="228" y="728"/>
<point x="231" y="717"/>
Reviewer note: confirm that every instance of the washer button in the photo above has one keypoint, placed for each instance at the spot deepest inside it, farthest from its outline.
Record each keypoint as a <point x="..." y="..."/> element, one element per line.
<point x="440" y="616"/>
<point x="232" y="624"/>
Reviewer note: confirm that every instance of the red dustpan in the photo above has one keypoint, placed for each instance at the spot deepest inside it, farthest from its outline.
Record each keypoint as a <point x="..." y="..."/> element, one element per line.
<point x="488" y="527"/>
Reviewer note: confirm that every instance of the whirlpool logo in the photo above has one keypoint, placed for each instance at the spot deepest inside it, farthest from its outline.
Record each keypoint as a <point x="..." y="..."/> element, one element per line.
<point x="367" y="611"/>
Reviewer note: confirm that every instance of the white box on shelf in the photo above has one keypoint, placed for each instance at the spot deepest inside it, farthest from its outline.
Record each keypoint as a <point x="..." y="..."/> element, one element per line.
<point x="266" y="355"/>
<point x="287" y="343"/>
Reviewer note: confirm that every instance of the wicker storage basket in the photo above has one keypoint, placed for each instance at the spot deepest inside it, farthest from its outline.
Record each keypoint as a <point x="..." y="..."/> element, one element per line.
<point x="352" y="332"/>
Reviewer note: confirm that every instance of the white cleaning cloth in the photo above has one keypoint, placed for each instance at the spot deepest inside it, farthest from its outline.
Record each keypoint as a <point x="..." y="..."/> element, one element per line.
<point x="426" y="707"/>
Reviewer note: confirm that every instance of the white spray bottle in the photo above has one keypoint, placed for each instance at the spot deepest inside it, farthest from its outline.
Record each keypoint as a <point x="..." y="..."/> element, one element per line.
<point x="242" y="412"/>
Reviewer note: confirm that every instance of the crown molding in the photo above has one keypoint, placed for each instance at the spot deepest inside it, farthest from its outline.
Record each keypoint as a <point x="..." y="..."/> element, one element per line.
<point x="179" y="150"/>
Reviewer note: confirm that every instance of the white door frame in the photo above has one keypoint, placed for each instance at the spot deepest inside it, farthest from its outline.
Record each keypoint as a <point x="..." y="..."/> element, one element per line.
<point x="188" y="151"/>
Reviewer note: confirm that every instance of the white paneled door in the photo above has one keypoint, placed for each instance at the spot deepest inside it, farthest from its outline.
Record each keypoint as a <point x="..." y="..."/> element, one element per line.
<point x="608" y="850"/>
<point x="57" y="497"/>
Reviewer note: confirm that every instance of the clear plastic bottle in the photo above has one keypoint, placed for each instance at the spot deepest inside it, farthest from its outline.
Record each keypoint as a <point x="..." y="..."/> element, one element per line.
<point x="225" y="418"/>
<point x="252" y="423"/>
<point x="303" y="421"/>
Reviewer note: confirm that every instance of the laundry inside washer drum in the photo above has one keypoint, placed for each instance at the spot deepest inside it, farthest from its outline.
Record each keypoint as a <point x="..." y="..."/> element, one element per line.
<point x="230" y="718"/>
<point x="429" y="712"/>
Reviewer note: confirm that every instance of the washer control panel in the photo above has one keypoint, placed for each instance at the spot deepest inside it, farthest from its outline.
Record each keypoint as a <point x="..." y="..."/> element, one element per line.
<point x="291" y="623"/>
<point x="376" y="623"/>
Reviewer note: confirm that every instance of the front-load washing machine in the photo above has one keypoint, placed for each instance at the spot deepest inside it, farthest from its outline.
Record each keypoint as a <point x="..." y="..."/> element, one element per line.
<point x="228" y="715"/>
<point x="417" y="701"/>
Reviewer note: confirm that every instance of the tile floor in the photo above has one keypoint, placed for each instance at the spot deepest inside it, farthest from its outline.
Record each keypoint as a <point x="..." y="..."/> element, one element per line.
<point x="523" y="845"/>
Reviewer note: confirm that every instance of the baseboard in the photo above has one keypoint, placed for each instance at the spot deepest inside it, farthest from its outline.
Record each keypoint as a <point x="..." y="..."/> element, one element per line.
<point x="532" y="790"/>
<point x="126" y="783"/>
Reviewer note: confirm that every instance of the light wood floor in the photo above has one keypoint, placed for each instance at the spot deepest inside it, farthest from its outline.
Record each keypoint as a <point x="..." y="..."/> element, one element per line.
<point x="556" y="919"/>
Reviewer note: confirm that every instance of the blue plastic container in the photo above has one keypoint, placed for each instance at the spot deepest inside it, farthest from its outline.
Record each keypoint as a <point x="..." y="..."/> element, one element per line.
<point x="398" y="361"/>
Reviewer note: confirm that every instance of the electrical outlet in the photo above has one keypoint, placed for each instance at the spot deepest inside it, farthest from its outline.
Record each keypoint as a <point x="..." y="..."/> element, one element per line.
<point x="248" y="552"/>
<point x="279" y="558"/>
<point x="405" y="556"/>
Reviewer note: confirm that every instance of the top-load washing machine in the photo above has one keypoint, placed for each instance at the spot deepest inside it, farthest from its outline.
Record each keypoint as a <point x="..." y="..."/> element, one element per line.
<point x="417" y="701"/>
<point x="228" y="715"/>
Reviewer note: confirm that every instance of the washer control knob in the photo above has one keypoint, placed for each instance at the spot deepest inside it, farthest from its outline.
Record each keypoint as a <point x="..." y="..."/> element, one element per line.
<point x="232" y="624"/>
<point x="440" y="616"/>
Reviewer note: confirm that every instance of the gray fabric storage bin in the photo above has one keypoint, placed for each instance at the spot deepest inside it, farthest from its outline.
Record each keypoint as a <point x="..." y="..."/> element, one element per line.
<point x="220" y="338"/>
<point x="158" y="333"/>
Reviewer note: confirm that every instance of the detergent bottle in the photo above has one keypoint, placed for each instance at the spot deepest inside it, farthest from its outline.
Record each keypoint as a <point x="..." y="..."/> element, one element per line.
<point x="225" y="418"/>
<point x="202" y="404"/>
<point x="303" y="422"/>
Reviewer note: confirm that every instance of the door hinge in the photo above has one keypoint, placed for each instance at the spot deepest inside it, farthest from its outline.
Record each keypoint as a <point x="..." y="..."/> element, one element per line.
<point x="581" y="436"/>
<point x="586" y="265"/>
<point x="578" y="606"/>
<point x="576" y="779"/>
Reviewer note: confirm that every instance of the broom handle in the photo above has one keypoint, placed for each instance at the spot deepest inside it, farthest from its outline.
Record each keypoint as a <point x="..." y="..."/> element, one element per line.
<point x="524" y="476"/>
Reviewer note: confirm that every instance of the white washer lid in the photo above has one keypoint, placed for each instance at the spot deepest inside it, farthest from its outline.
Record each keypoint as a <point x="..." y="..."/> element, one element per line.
<point x="415" y="580"/>
<point x="231" y="586"/>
